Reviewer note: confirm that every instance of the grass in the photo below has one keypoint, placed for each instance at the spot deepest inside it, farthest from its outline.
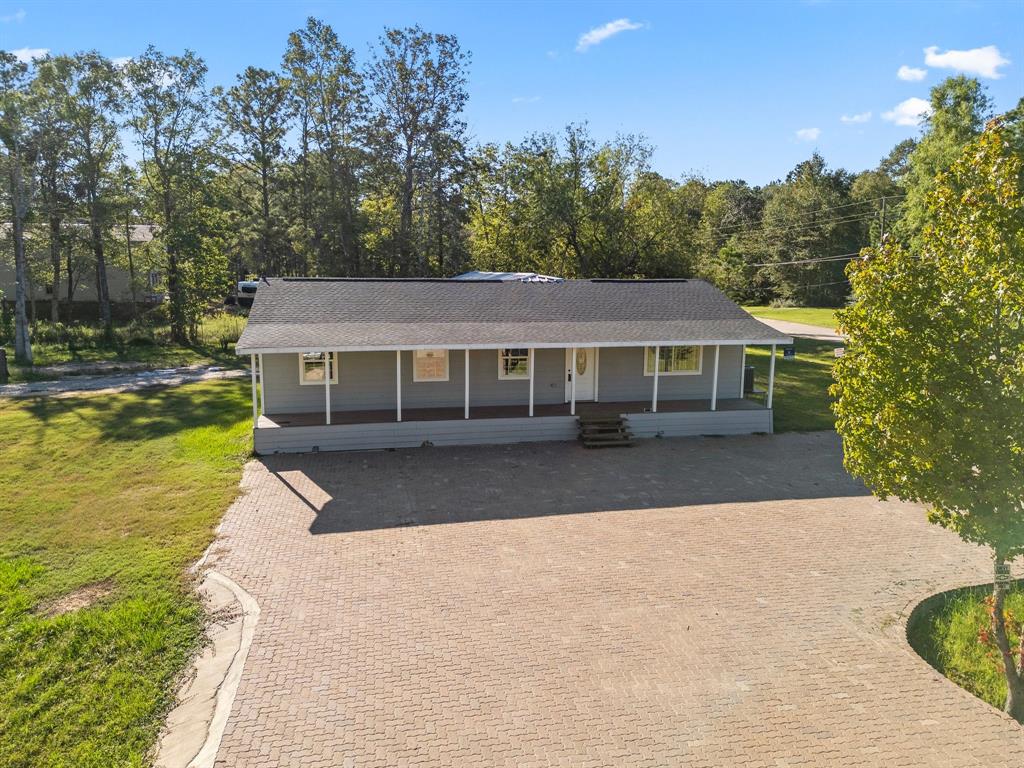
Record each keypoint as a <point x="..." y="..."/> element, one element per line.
<point x="122" y="490"/>
<point x="945" y="633"/>
<point x="801" y="400"/>
<point x="53" y="344"/>
<point x="820" y="316"/>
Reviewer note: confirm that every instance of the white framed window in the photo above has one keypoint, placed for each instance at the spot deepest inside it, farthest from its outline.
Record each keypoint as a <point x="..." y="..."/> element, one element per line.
<point x="311" y="368"/>
<point x="674" y="361"/>
<point x="430" y="365"/>
<point x="513" y="363"/>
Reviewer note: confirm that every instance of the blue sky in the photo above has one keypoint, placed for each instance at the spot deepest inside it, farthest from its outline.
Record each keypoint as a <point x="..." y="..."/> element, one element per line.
<point x="726" y="90"/>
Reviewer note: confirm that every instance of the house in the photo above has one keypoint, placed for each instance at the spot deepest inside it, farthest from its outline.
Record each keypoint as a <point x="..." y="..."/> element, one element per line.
<point x="342" y="364"/>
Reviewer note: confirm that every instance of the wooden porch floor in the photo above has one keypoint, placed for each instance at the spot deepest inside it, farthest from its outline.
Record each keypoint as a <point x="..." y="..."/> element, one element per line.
<point x="500" y="412"/>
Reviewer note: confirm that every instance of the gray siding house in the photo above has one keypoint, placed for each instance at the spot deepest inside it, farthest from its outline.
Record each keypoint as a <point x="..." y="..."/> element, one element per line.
<point x="350" y="364"/>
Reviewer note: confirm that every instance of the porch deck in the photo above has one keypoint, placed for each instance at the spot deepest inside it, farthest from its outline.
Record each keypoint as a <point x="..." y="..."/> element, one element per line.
<point x="284" y="420"/>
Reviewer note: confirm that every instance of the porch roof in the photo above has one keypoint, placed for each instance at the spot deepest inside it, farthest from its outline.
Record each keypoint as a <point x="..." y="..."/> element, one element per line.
<point x="312" y="314"/>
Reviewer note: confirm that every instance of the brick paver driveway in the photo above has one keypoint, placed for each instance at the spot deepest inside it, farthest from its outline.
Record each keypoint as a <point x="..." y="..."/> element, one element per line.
<point x="712" y="602"/>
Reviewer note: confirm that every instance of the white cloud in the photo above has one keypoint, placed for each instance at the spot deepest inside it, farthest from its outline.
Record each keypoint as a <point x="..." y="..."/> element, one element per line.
<point x="525" y="99"/>
<point x="860" y="117"/>
<point x="808" y="134"/>
<point x="26" y="55"/>
<point x="984" y="62"/>
<point x="908" y="112"/>
<point x="600" y="34"/>
<point x="911" y="74"/>
<point x="18" y="16"/>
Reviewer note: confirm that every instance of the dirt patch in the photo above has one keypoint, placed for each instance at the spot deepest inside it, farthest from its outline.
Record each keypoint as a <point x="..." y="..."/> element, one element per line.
<point x="77" y="599"/>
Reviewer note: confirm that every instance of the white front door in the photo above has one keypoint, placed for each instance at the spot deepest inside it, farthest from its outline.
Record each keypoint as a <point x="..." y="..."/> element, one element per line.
<point x="583" y="369"/>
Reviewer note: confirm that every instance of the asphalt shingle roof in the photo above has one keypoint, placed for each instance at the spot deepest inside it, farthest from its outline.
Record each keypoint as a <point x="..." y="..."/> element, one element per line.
<point x="308" y="314"/>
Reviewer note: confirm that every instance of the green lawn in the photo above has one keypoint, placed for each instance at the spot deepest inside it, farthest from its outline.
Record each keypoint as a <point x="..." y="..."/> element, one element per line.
<point x="801" y="400"/>
<point x="945" y="634"/>
<point x="122" y="491"/>
<point x="820" y="316"/>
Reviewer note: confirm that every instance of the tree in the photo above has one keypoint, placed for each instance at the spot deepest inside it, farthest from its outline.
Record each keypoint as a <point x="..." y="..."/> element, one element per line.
<point x="808" y="220"/>
<point x="94" y="100"/>
<point x="732" y="211"/>
<point x="959" y="108"/>
<point x="50" y="95"/>
<point x="930" y="392"/>
<point x="419" y="84"/>
<point x="255" y="116"/>
<point x="328" y="95"/>
<point x="170" y="118"/>
<point x="19" y="137"/>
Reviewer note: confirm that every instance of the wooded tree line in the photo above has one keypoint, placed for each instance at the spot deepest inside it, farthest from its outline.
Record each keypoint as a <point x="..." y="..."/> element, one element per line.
<point x="333" y="166"/>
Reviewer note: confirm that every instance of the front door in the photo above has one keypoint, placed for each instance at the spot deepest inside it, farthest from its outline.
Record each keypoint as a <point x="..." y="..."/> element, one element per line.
<point x="583" y="368"/>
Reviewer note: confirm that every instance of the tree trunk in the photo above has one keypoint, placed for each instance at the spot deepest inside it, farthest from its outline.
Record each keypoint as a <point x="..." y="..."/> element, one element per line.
<point x="71" y="287"/>
<point x="102" y="287"/>
<point x="405" y="221"/>
<point x="55" y="263"/>
<point x="1014" y="678"/>
<point x="22" y="342"/>
<point x="131" y="267"/>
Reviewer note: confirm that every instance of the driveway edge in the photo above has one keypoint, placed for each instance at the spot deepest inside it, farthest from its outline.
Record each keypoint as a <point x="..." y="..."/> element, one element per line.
<point x="195" y="727"/>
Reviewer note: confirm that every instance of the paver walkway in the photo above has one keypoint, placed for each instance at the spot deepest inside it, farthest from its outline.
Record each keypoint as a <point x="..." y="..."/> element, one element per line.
<point x="697" y="602"/>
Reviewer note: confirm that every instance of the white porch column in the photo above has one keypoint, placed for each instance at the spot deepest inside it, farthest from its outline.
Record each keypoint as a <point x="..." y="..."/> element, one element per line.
<point x="743" y="371"/>
<point x="597" y="370"/>
<point x="771" y="379"/>
<point x="263" y="388"/>
<point x="255" y="408"/>
<point x="529" y="359"/>
<point x="398" y="384"/>
<point x="657" y="361"/>
<point x="466" y="359"/>
<point x="572" y="381"/>
<point x="714" y="382"/>
<point x="327" y="387"/>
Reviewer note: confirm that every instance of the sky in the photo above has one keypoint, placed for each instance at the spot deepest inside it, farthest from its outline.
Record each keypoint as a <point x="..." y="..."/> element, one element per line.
<point x="726" y="90"/>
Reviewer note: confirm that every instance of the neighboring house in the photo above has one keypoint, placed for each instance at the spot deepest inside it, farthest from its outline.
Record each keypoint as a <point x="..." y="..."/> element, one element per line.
<point x="366" y="363"/>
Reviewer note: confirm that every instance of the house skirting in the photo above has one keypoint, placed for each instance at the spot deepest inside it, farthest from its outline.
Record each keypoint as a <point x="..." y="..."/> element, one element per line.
<point x="271" y="438"/>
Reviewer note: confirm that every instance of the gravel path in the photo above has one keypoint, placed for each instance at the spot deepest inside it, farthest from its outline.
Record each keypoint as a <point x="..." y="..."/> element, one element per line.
<point x="121" y="382"/>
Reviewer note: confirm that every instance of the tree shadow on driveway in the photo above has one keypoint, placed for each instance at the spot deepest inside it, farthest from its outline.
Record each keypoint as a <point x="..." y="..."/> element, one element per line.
<point x="351" y="492"/>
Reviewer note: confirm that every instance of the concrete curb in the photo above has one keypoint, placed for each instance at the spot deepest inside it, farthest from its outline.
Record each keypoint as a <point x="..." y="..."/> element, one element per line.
<point x="195" y="727"/>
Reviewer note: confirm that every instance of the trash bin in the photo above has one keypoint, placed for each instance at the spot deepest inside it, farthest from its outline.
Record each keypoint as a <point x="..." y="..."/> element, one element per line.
<point x="748" y="379"/>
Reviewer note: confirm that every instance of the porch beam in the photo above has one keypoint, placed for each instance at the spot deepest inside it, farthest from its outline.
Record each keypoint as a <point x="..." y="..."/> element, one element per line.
<point x="771" y="379"/>
<point x="263" y="388"/>
<point x="398" y="385"/>
<point x="255" y="407"/>
<point x="572" y="381"/>
<point x="714" y="382"/>
<point x="465" y="357"/>
<point x="529" y="360"/>
<point x="327" y="387"/>
<point x="657" y="364"/>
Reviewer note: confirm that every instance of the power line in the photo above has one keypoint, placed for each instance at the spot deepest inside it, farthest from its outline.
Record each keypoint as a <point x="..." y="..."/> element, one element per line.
<point x="858" y="217"/>
<point x="731" y="228"/>
<point x="840" y="257"/>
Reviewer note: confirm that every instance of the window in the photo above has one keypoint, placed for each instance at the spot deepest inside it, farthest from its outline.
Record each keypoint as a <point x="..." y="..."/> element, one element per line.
<point x="513" y="363"/>
<point x="311" y="368"/>
<point x="430" y="365"/>
<point x="673" y="361"/>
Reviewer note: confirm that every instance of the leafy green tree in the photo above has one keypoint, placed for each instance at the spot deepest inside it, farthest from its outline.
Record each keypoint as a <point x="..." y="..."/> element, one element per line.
<point x="930" y="393"/>
<point x="51" y="97"/>
<point x="19" y="137"/>
<point x="94" y="100"/>
<point x="418" y="80"/>
<point x="959" y="108"/>
<point x="255" y="116"/>
<point x="170" y="116"/>
<point x="809" y="220"/>
<point x="727" y="247"/>
<point x="328" y="96"/>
